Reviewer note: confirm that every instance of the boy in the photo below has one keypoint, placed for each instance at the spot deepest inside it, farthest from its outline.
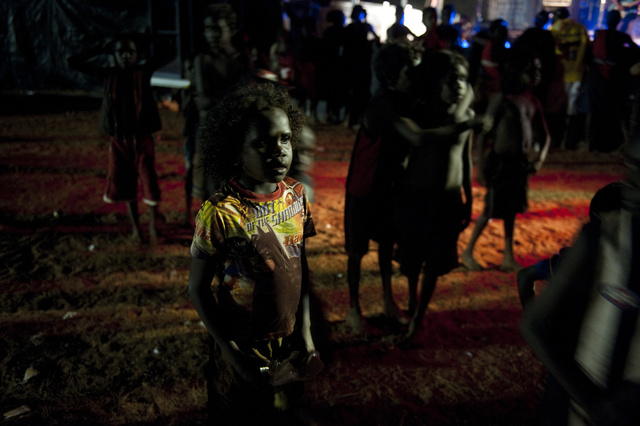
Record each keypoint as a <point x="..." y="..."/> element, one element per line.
<point x="432" y="210"/>
<point x="250" y="236"/>
<point x="216" y="70"/>
<point x="129" y="116"/>
<point x="374" y="174"/>
<point x="518" y="126"/>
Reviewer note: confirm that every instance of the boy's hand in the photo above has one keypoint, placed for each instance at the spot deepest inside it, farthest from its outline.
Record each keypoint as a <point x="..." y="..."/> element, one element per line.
<point x="482" y="123"/>
<point x="242" y="364"/>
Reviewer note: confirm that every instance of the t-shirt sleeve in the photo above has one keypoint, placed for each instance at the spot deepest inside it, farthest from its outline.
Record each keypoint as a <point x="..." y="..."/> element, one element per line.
<point x="207" y="236"/>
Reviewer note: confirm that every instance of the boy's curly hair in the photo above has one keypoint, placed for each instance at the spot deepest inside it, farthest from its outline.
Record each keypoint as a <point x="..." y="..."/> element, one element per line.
<point x="225" y="127"/>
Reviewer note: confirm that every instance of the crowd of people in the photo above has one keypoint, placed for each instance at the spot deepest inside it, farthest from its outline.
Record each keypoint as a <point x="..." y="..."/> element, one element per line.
<point x="422" y="107"/>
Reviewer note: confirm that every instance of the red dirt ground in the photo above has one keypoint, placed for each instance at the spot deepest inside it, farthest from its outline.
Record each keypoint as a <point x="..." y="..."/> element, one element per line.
<point x="109" y="332"/>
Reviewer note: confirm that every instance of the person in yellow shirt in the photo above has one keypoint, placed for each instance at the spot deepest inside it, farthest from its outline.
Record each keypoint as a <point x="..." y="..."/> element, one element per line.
<point x="572" y="42"/>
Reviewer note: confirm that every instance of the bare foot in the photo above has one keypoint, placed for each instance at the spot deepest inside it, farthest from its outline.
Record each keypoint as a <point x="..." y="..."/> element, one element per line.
<point x="392" y="311"/>
<point x="509" y="265"/>
<point x="355" y="322"/>
<point x="135" y="236"/>
<point x="469" y="262"/>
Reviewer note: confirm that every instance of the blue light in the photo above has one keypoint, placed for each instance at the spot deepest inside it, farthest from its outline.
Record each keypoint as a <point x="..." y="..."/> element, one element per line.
<point x="464" y="44"/>
<point x="507" y="45"/>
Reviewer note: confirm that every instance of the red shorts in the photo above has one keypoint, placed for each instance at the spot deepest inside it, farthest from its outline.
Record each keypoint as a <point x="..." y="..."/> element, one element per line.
<point x="132" y="157"/>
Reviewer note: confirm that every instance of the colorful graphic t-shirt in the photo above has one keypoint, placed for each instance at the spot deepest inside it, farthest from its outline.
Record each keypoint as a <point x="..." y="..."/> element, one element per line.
<point x="256" y="241"/>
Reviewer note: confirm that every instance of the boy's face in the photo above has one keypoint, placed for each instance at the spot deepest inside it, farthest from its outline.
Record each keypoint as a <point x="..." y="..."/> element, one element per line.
<point x="126" y="53"/>
<point x="217" y="33"/>
<point x="266" y="152"/>
<point x="454" y="86"/>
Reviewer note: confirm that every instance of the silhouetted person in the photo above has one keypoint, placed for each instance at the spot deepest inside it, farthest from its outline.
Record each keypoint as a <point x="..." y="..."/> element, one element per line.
<point x="491" y="64"/>
<point x="332" y="72"/>
<point x="375" y="172"/>
<point x="447" y="30"/>
<point x="609" y="85"/>
<point x="398" y="32"/>
<point x="430" y="41"/>
<point x="520" y="142"/>
<point x="359" y="40"/>
<point x="541" y="43"/>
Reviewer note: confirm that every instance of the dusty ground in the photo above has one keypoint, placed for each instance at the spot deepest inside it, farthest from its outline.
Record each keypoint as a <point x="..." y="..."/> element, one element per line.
<point x="94" y="330"/>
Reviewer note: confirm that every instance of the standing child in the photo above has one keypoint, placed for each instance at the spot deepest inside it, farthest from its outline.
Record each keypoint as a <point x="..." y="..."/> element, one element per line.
<point x="216" y="70"/>
<point x="519" y="127"/>
<point x="129" y="116"/>
<point x="374" y="175"/>
<point x="250" y="236"/>
<point x="433" y="210"/>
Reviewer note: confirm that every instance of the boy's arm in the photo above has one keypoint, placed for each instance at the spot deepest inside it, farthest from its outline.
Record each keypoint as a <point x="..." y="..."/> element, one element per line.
<point x="200" y="278"/>
<point x="541" y="129"/>
<point x="417" y="136"/>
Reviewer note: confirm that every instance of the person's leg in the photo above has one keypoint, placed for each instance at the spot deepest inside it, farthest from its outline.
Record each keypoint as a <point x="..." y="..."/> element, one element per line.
<point x="509" y="263"/>
<point x="428" y="286"/>
<point x="153" y="214"/>
<point x="411" y="269"/>
<point x="147" y="172"/>
<point x="134" y="217"/>
<point x="354" y="316"/>
<point x="385" y="257"/>
<point x="467" y="255"/>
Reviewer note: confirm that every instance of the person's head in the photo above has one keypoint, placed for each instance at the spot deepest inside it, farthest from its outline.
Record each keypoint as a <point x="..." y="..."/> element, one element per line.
<point x="219" y="25"/>
<point x="304" y="153"/>
<point x="448" y="14"/>
<point x="251" y="135"/>
<point x="606" y="199"/>
<point x="441" y="78"/>
<point x="498" y="30"/>
<point x="125" y="51"/>
<point x="390" y="64"/>
<point x="521" y="72"/>
<point x="358" y="13"/>
<point x="430" y="18"/>
<point x="613" y="19"/>
<point x="336" y="17"/>
<point x="560" y="13"/>
<point x="541" y="19"/>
